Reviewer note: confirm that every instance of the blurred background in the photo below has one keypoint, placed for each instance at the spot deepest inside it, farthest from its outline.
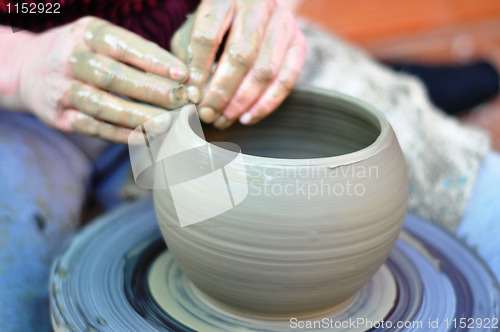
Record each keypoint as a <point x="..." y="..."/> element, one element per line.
<point x="425" y="31"/>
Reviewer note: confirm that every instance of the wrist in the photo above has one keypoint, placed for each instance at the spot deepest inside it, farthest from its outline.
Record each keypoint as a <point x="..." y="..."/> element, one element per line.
<point x="13" y="57"/>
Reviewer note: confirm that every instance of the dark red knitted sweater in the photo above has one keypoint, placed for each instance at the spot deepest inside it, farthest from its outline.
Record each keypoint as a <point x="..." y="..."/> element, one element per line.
<point x="156" y="20"/>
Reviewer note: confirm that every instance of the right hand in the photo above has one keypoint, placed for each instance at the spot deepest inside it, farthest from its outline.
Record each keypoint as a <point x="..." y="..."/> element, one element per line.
<point x="259" y="65"/>
<point x="73" y="74"/>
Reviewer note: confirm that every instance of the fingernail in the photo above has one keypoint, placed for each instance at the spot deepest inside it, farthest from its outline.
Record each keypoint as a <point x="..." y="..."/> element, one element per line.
<point x="222" y="123"/>
<point x="246" y="118"/>
<point x="177" y="73"/>
<point x="193" y="94"/>
<point x="178" y="92"/>
<point x="207" y="114"/>
<point x="177" y="97"/>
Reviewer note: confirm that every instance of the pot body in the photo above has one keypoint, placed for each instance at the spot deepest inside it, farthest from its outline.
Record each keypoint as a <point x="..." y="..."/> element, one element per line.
<point x="326" y="199"/>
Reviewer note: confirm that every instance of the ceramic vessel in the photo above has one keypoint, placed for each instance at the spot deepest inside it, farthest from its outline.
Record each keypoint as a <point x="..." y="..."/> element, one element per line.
<point x="327" y="197"/>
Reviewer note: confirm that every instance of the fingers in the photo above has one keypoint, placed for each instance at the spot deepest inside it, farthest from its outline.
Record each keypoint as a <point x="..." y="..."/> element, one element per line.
<point x="74" y="120"/>
<point x="112" y="109"/>
<point x="94" y="112"/>
<point x="127" y="47"/>
<point x="179" y="44"/>
<point x="212" y="20"/>
<point x="104" y="72"/>
<point x="282" y="84"/>
<point x="274" y="46"/>
<point x="238" y="58"/>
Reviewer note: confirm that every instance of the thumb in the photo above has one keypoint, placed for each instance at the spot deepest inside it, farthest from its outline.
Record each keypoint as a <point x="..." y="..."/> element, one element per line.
<point x="179" y="44"/>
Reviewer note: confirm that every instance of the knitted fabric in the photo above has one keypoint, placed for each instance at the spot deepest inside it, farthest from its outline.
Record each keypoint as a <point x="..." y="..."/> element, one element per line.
<point x="155" y="20"/>
<point x="442" y="155"/>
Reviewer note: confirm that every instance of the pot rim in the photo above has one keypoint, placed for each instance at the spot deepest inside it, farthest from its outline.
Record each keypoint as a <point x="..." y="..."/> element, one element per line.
<point x="333" y="161"/>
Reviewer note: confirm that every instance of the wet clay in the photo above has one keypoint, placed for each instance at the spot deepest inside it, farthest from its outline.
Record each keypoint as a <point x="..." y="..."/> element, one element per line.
<point x="289" y="248"/>
<point x="84" y="65"/>
<point x="127" y="47"/>
<point x="211" y="22"/>
<point x="242" y="48"/>
<point x="105" y="73"/>
<point x="113" y="109"/>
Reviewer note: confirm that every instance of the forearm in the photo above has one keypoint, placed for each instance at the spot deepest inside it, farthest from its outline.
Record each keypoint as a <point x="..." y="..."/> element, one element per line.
<point x="12" y="58"/>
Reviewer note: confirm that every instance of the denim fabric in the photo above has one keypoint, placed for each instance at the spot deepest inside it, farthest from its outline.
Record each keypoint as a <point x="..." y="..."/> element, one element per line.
<point x="480" y="226"/>
<point x="43" y="182"/>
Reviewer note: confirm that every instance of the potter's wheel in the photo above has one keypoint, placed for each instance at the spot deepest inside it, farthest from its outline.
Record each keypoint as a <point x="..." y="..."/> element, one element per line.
<point x="117" y="275"/>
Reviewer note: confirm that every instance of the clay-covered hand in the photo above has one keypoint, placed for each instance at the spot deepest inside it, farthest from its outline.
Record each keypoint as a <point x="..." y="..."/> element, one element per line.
<point x="262" y="58"/>
<point x="87" y="76"/>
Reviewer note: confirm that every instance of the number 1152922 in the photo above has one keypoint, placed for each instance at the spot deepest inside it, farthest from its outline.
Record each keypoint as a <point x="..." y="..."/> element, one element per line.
<point x="33" y="8"/>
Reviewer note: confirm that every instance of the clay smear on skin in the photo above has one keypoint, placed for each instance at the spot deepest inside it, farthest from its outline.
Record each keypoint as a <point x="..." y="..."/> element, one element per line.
<point x="118" y="42"/>
<point x="103" y="72"/>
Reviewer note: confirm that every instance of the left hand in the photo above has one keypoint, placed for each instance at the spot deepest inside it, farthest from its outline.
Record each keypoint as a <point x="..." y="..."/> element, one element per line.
<point x="94" y="77"/>
<point x="261" y="61"/>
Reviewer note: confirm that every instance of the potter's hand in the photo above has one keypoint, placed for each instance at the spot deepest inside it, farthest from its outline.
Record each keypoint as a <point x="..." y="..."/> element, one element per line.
<point x="71" y="78"/>
<point x="263" y="56"/>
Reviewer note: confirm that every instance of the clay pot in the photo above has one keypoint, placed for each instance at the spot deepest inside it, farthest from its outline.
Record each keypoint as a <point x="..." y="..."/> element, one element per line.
<point x="327" y="197"/>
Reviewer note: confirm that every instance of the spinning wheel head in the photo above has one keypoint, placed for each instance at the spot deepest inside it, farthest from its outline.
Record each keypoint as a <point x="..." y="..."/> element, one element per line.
<point x="117" y="275"/>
